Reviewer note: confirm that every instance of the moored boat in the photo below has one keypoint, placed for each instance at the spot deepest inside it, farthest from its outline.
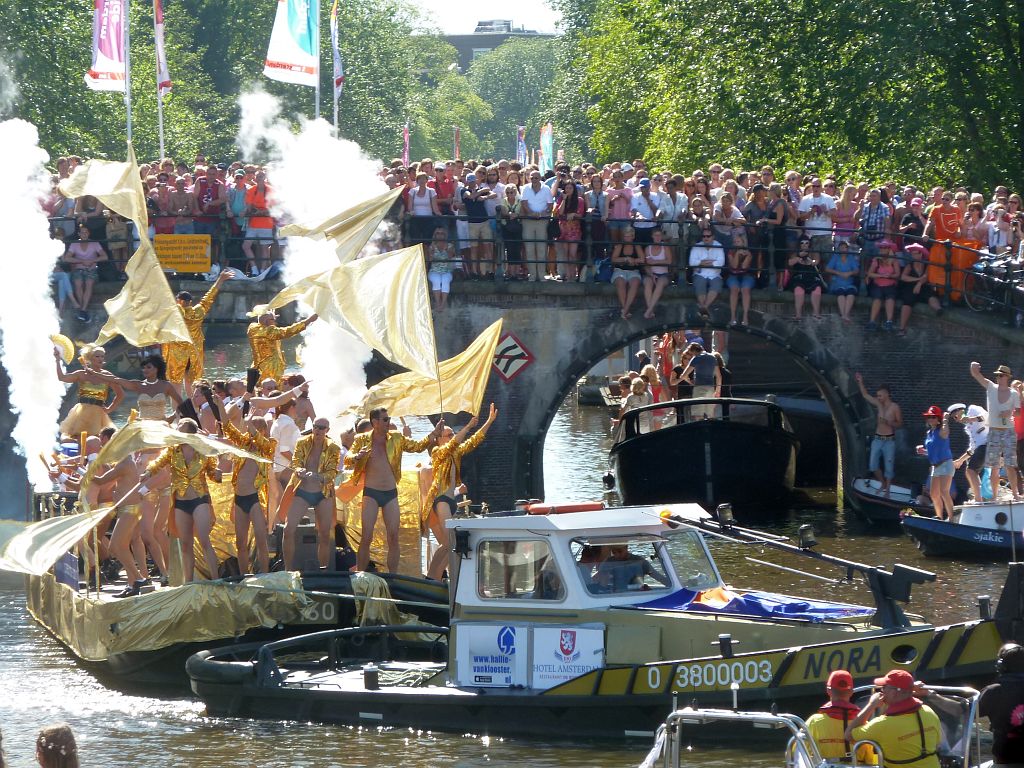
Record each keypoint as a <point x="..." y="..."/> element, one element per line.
<point x="876" y="506"/>
<point x="991" y="530"/>
<point x="592" y="624"/>
<point x="710" y="451"/>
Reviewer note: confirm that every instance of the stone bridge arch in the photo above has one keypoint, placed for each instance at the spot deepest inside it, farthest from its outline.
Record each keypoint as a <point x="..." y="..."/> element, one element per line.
<point x="567" y="328"/>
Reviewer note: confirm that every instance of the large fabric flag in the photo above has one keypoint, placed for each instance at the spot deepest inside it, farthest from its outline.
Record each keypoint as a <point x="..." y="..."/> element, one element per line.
<point x="146" y="434"/>
<point x="547" y="148"/>
<point x="107" y="71"/>
<point x="381" y="300"/>
<point x="292" y="54"/>
<point x="463" y="383"/>
<point x="339" y="68"/>
<point x="163" y="75"/>
<point x="32" y="549"/>
<point x="521" y="145"/>
<point x="351" y="229"/>
<point x="144" y="312"/>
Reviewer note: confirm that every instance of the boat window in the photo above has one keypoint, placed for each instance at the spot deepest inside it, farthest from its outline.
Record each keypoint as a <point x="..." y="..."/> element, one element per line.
<point x="518" y="569"/>
<point x="694" y="567"/>
<point x="621" y="565"/>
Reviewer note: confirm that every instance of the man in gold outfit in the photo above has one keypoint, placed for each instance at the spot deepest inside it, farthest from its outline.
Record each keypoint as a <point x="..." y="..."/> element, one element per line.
<point x="265" y="340"/>
<point x="180" y="355"/>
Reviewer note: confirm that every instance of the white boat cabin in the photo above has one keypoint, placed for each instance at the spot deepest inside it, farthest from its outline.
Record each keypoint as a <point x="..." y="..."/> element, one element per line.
<point x="997" y="516"/>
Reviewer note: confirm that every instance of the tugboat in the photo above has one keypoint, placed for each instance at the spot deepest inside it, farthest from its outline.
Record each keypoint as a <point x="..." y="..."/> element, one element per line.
<point x="711" y="451"/>
<point x="592" y="623"/>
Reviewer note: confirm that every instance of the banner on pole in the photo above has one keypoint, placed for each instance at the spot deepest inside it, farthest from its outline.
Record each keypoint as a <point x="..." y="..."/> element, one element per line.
<point x="292" y="54"/>
<point x="521" y="145"/>
<point x="339" y="69"/>
<point x="405" y="148"/>
<point x="163" y="75"/>
<point x="107" y="72"/>
<point x="458" y="141"/>
<point x="547" y="142"/>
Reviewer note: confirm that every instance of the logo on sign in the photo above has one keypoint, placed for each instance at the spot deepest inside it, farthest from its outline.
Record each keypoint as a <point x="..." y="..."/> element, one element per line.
<point x="507" y="640"/>
<point x="567" y="646"/>
<point x="511" y="357"/>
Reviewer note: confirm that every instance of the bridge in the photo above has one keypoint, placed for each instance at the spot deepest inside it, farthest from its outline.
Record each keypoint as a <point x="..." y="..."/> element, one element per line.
<point x="564" y="329"/>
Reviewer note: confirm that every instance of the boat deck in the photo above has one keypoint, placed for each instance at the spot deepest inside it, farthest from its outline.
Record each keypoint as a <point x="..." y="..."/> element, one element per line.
<point x="400" y="677"/>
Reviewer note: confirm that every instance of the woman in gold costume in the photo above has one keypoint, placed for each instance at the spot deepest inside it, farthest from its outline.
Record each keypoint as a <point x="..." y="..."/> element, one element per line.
<point x="91" y="414"/>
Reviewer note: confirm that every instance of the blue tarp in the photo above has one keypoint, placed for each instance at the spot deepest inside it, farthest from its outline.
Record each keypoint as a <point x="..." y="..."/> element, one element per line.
<point x="765" y="604"/>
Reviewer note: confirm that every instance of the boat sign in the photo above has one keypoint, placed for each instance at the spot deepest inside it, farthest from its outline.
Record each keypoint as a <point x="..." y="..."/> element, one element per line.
<point x="492" y="655"/>
<point x="562" y="653"/>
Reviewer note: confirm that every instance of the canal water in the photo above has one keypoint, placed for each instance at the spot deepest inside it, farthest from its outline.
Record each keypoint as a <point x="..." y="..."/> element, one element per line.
<point x="41" y="684"/>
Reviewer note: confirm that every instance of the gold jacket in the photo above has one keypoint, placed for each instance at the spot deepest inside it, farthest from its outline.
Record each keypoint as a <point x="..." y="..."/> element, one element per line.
<point x="397" y="443"/>
<point x="261" y="445"/>
<point x="327" y="467"/>
<point x="446" y="459"/>
<point x="185" y="475"/>
<point x="265" y="341"/>
<point x="180" y="354"/>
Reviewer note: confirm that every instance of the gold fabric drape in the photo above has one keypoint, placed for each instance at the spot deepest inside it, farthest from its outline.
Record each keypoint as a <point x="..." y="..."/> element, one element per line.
<point x="351" y="229"/>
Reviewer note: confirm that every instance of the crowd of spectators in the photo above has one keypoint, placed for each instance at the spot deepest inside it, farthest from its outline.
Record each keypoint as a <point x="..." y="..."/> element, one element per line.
<point x="725" y="232"/>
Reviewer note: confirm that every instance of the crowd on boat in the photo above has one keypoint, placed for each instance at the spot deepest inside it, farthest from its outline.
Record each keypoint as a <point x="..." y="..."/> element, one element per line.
<point x="995" y="441"/>
<point x="289" y="469"/>
<point x="636" y="227"/>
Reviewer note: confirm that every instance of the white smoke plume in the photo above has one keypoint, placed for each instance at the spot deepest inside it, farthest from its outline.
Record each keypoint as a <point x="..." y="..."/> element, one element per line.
<point x="314" y="176"/>
<point x="27" y="312"/>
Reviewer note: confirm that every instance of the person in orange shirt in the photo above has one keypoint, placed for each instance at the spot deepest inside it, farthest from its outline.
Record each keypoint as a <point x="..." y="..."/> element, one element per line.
<point x="260" y="226"/>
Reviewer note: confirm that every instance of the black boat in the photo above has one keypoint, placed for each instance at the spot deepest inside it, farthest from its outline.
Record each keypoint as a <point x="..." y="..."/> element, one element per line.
<point x="710" y="451"/>
<point x="878" y="507"/>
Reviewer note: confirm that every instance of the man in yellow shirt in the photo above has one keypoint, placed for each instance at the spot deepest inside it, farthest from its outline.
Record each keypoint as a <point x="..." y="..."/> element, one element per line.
<point x="376" y="458"/>
<point x="907" y="730"/>
<point x="828" y="725"/>
<point x="180" y="355"/>
<point x="265" y="341"/>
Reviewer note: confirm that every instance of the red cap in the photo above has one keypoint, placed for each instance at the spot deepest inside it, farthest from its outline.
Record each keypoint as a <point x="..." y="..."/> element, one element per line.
<point x="897" y="678"/>
<point x="933" y="411"/>
<point x="841" y="680"/>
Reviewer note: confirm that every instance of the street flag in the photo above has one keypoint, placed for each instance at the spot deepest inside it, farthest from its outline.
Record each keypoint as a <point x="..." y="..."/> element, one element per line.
<point x="547" y="148"/>
<point x="163" y="76"/>
<point x="339" y="69"/>
<point x="292" y="55"/>
<point x="107" y="72"/>
<point x="521" y="145"/>
<point x="405" y="148"/>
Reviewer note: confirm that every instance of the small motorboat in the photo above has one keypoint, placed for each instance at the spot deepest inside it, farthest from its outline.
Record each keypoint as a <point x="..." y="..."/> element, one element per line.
<point x="709" y="451"/>
<point x="871" y="502"/>
<point x="592" y="623"/>
<point x="990" y="530"/>
<point x="958" y="713"/>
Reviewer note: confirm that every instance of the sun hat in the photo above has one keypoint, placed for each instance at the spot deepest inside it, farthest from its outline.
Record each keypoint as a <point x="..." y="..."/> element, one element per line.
<point x="1003" y="370"/>
<point x="933" y="412"/>
<point x="897" y="678"/>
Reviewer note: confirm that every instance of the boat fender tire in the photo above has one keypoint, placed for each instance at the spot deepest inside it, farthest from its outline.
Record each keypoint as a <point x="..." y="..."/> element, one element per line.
<point x="201" y="667"/>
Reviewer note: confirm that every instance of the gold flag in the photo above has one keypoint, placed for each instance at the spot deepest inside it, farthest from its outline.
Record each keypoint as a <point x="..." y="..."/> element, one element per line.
<point x="351" y="229"/>
<point x="146" y="434"/>
<point x="32" y="549"/>
<point x="463" y="382"/>
<point x="144" y="312"/>
<point x="382" y="300"/>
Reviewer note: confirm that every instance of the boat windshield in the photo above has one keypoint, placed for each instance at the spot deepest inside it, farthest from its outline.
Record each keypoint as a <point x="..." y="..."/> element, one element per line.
<point x="693" y="565"/>
<point x="521" y="569"/>
<point x="609" y="566"/>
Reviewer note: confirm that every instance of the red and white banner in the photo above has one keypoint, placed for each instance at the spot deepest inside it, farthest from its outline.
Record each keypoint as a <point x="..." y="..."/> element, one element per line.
<point x="163" y="76"/>
<point x="339" y="68"/>
<point x="405" y="148"/>
<point x="458" y="143"/>
<point x="292" y="54"/>
<point x="108" y="61"/>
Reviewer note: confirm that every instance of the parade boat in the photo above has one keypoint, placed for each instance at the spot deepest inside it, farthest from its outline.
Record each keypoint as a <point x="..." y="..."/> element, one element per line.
<point x="710" y="451"/>
<point x="146" y="640"/>
<point x="871" y="502"/>
<point x="591" y="624"/>
<point x="960" y="746"/>
<point x="990" y="530"/>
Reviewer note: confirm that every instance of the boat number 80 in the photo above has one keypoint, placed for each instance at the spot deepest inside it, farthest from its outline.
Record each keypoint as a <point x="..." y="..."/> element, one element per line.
<point x="722" y="673"/>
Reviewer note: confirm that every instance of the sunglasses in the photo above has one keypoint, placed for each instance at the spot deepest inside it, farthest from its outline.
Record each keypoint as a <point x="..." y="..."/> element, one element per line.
<point x="385" y="419"/>
<point x="320" y="426"/>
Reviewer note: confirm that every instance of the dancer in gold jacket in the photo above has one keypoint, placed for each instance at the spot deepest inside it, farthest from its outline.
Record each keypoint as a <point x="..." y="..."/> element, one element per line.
<point x="180" y="355"/>
<point x="265" y="341"/>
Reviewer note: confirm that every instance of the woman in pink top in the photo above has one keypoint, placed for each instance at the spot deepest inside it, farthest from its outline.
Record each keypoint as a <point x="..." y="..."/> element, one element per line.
<point x="843" y="225"/>
<point x="620" y="198"/>
<point x="84" y="256"/>
<point x="884" y="275"/>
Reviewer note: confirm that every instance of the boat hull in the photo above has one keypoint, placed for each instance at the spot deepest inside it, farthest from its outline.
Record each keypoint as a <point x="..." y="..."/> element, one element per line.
<point x="940" y="538"/>
<point x="708" y="461"/>
<point x="870" y="503"/>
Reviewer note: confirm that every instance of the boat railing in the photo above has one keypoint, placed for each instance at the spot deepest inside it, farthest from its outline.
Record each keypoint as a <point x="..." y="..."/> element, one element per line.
<point x="697" y="410"/>
<point x="334" y="641"/>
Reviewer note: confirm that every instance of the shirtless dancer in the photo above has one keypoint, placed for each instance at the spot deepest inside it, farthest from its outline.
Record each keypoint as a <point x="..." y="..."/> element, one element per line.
<point x="883" y="444"/>
<point x="316" y="463"/>
<point x="376" y="456"/>
<point x="125" y="477"/>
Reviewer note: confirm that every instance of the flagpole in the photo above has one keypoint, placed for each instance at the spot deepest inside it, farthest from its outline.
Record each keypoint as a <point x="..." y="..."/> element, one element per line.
<point x="128" y="71"/>
<point x="316" y="111"/>
<point x="160" y="113"/>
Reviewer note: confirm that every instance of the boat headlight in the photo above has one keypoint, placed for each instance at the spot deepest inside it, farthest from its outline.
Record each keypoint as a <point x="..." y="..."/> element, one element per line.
<point x="805" y="534"/>
<point x="725" y="514"/>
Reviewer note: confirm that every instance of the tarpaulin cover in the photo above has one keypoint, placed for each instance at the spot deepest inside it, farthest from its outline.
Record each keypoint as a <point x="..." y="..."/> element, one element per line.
<point x="765" y="604"/>
<point x="381" y="612"/>
<point x="95" y="629"/>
